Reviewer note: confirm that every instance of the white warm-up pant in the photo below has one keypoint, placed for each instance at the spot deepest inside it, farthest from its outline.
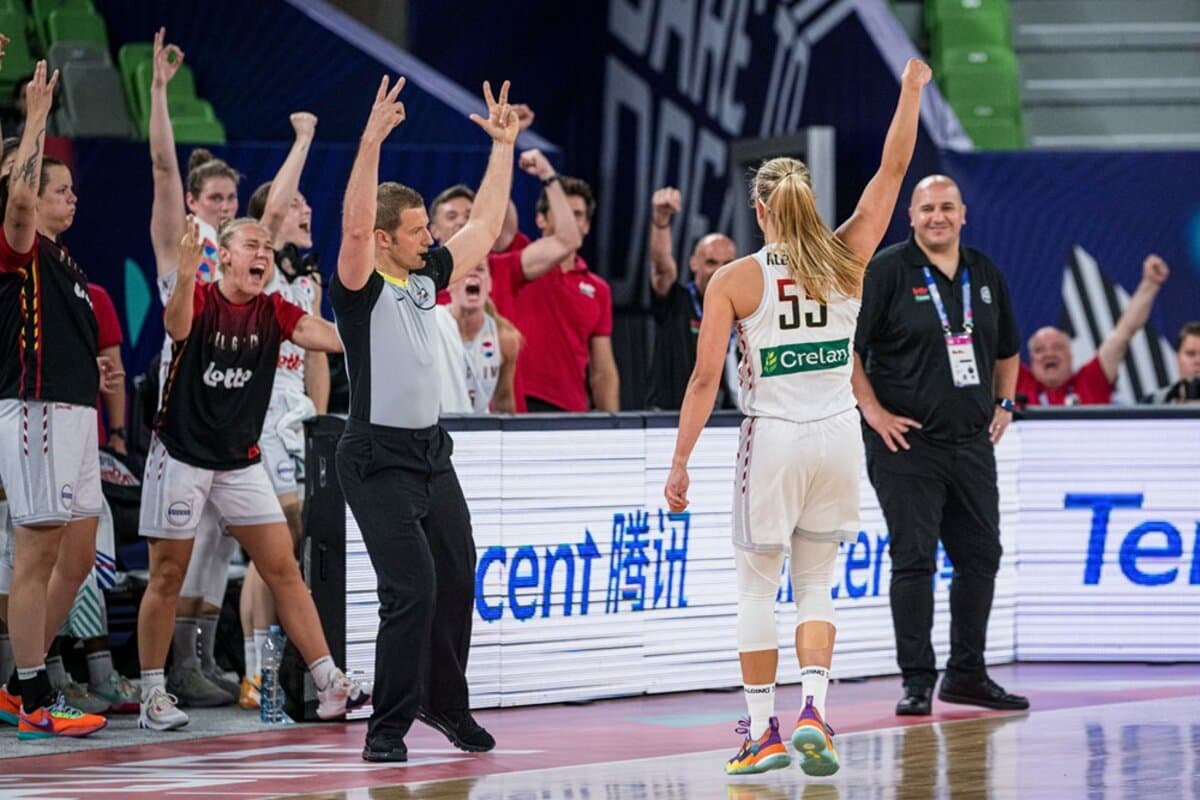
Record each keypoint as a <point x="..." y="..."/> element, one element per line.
<point x="758" y="579"/>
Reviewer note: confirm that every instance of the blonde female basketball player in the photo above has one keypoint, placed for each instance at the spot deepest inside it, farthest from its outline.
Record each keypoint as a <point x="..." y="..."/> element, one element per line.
<point x="795" y="302"/>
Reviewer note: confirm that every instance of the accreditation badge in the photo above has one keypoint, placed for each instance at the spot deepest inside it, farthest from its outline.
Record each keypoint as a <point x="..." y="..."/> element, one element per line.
<point x="963" y="368"/>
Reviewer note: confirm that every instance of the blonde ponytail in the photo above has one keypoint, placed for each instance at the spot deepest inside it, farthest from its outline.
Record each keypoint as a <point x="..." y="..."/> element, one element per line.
<point x="816" y="258"/>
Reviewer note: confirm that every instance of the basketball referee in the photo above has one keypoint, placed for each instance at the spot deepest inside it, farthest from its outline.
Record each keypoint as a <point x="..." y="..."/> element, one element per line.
<point x="393" y="460"/>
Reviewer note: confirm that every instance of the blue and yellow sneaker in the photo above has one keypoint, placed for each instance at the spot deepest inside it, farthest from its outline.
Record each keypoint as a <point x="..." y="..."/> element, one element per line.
<point x="765" y="753"/>
<point x="813" y="740"/>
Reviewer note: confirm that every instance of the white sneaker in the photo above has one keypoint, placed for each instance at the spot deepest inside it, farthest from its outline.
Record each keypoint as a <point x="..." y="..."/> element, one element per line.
<point x="160" y="712"/>
<point x="341" y="695"/>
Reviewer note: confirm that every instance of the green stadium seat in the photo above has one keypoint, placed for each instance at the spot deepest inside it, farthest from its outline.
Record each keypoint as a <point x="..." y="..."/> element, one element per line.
<point x="998" y="133"/>
<point x="18" y="58"/>
<point x="198" y="130"/>
<point x="128" y="58"/>
<point x="980" y="76"/>
<point x="42" y="9"/>
<point x="181" y="88"/>
<point x="966" y="23"/>
<point x="70" y="25"/>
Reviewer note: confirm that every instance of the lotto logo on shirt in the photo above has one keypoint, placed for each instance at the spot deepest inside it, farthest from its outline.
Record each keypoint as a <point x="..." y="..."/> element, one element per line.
<point x="791" y="358"/>
<point x="232" y="378"/>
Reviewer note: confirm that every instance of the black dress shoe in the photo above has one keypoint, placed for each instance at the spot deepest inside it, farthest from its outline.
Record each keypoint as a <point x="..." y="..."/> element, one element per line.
<point x="460" y="728"/>
<point x="983" y="692"/>
<point x="384" y="750"/>
<point x="917" y="702"/>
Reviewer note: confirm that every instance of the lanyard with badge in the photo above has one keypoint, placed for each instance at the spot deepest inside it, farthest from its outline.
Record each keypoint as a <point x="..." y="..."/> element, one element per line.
<point x="959" y="346"/>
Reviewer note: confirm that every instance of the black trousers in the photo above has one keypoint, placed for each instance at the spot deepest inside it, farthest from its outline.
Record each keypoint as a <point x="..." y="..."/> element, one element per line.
<point x="406" y="499"/>
<point x="945" y="491"/>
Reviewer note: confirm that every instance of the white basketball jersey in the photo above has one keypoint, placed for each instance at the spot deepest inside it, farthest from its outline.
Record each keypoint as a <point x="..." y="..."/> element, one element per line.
<point x="797" y="354"/>
<point x="289" y="373"/>
<point x="483" y="359"/>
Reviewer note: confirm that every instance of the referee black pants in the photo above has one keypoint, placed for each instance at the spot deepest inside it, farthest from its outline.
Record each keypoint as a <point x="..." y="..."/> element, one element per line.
<point x="406" y="499"/>
<point x="945" y="491"/>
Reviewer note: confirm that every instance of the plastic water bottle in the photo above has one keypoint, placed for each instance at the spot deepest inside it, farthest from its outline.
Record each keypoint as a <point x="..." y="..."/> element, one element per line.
<point x="270" y="708"/>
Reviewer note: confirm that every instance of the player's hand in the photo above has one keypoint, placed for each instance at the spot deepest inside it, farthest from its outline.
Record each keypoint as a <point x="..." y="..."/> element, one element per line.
<point x="890" y="427"/>
<point x="524" y="114"/>
<point x="665" y="204"/>
<point x="168" y="58"/>
<point x="1000" y="422"/>
<point x="111" y="378"/>
<point x="304" y="124"/>
<point x="536" y="164"/>
<point x="39" y="93"/>
<point x="501" y="123"/>
<point x="191" y="250"/>
<point x="1155" y="270"/>
<point x="676" y="489"/>
<point x="387" y="112"/>
<point x="916" y="74"/>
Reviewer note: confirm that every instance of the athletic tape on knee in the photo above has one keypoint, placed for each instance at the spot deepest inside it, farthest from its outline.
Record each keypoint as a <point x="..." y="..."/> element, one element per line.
<point x="758" y="578"/>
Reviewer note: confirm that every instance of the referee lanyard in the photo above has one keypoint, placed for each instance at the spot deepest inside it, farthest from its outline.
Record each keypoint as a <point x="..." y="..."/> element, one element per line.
<point x="959" y="347"/>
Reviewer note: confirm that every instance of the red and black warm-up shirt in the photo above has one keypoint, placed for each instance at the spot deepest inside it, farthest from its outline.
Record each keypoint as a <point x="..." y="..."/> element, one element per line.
<point x="218" y="385"/>
<point x="47" y="329"/>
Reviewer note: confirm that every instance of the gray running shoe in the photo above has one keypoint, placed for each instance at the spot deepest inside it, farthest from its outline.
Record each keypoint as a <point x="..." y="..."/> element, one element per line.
<point x="79" y="697"/>
<point x="195" y="690"/>
<point x="221" y="681"/>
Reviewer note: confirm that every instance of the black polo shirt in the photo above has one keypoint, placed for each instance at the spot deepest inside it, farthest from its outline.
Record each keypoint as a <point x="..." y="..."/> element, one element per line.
<point x="903" y="348"/>
<point x="676" y="329"/>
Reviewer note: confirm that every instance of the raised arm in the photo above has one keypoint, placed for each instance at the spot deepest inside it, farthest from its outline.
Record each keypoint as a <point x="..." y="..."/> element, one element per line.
<point x="358" y="208"/>
<point x="177" y="316"/>
<point x="20" y="217"/>
<point x="1133" y="318"/>
<point x="167" y="213"/>
<point x="286" y="182"/>
<point x="540" y="256"/>
<point x="867" y="225"/>
<point x="665" y="204"/>
<point x="474" y="240"/>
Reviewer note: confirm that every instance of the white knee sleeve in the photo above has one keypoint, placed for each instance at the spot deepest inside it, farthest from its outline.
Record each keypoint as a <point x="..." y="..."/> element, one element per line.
<point x="812" y="566"/>
<point x="758" y="578"/>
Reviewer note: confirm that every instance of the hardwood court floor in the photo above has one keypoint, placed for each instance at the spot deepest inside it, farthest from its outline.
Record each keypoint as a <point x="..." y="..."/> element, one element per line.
<point x="1100" y="732"/>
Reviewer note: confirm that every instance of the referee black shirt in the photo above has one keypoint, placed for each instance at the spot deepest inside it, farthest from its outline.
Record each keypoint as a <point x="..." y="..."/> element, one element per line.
<point x="903" y="348"/>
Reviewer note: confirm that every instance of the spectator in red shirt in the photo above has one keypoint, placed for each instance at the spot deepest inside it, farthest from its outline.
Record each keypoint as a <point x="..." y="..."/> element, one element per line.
<point x="565" y="315"/>
<point x="109" y="341"/>
<point x="1049" y="379"/>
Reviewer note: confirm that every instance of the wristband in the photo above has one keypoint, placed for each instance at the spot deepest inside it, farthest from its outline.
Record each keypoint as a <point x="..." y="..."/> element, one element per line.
<point x="116" y="432"/>
<point x="1006" y="404"/>
<point x="664" y="225"/>
<point x="550" y="180"/>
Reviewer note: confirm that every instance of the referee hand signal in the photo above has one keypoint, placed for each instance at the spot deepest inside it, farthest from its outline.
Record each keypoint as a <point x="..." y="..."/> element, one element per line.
<point x="387" y="113"/>
<point x="501" y="123"/>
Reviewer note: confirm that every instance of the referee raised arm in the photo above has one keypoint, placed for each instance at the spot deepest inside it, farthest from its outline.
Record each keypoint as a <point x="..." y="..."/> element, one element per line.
<point x="394" y="459"/>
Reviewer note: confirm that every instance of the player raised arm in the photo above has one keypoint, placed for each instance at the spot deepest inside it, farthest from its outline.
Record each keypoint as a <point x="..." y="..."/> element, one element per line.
<point x="167" y="213"/>
<point x="869" y="222"/>
<point x="180" y="310"/>
<point x="475" y="239"/>
<point x="358" y="210"/>
<point x="286" y="183"/>
<point x="20" y="216"/>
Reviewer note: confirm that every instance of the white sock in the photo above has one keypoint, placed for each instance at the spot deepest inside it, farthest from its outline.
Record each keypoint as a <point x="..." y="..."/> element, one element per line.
<point x="6" y="657"/>
<point x="323" y="671"/>
<point x="208" y="643"/>
<point x="260" y="638"/>
<point x="250" y="653"/>
<point x="183" y="644"/>
<point x="815" y="681"/>
<point x="152" y="679"/>
<point x="760" y="702"/>
<point x="56" y="672"/>
<point x="100" y="667"/>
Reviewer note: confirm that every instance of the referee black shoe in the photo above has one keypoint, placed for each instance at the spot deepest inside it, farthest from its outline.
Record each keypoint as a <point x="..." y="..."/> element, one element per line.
<point x="983" y="692"/>
<point x="917" y="702"/>
<point x="460" y="728"/>
<point x="384" y="750"/>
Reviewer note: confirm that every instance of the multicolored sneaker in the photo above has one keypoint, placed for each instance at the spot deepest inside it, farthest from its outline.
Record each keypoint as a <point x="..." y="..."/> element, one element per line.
<point x="122" y="696"/>
<point x="59" y="719"/>
<point x="249" y="696"/>
<point x="767" y="752"/>
<point x="341" y="695"/>
<point x="813" y="740"/>
<point x="77" y="696"/>
<point x="10" y="706"/>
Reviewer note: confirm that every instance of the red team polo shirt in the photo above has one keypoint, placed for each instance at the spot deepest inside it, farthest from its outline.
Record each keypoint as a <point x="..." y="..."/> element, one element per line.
<point x="558" y="314"/>
<point x="1090" y="385"/>
<point x="109" y="336"/>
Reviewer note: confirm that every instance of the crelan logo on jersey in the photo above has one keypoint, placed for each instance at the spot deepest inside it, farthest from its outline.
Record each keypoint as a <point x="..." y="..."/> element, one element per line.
<point x="809" y="357"/>
<point x="232" y="378"/>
